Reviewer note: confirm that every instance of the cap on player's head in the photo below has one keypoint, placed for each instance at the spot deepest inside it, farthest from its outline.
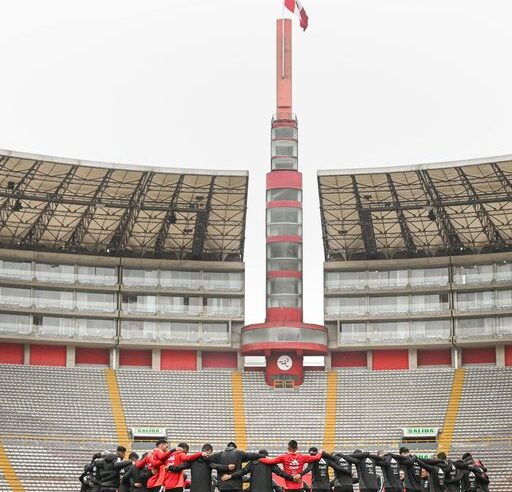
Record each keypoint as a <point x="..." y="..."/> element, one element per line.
<point x="160" y="442"/>
<point x="441" y="456"/>
<point x="231" y="444"/>
<point x="264" y="452"/>
<point x="184" y="446"/>
<point x="404" y="450"/>
<point x="207" y="447"/>
<point x="313" y="450"/>
<point x="292" y="445"/>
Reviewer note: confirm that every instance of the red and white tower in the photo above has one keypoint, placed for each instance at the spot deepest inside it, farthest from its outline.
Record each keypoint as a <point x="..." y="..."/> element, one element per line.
<point x="284" y="338"/>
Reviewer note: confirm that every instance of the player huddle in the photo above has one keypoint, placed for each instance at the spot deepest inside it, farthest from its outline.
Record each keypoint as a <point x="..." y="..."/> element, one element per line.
<point x="162" y="470"/>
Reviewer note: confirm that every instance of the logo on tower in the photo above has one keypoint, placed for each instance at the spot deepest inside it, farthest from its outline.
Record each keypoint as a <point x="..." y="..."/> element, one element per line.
<point x="284" y="362"/>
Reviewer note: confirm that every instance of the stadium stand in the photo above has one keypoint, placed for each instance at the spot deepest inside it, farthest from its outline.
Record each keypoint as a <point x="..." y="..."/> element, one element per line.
<point x="192" y="406"/>
<point x="300" y="412"/>
<point x="55" y="402"/>
<point x="72" y="417"/>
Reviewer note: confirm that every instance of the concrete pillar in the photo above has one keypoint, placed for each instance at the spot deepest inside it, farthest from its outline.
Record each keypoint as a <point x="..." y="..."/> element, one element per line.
<point x="327" y="363"/>
<point x="156" y="355"/>
<point x="413" y="358"/>
<point x="456" y="358"/>
<point x="26" y="354"/>
<point x="70" y="356"/>
<point x="500" y="355"/>
<point x="199" y="360"/>
<point x="369" y="359"/>
<point x="114" y="358"/>
<point x="241" y="361"/>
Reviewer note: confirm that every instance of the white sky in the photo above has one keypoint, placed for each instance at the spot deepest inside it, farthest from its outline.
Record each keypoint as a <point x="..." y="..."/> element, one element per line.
<point x="187" y="83"/>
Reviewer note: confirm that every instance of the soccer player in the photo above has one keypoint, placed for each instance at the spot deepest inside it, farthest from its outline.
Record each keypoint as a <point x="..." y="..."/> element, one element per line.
<point x="391" y="471"/>
<point x="201" y="470"/>
<point x="424" y="480"/>
<point x="319" y="473"/>
<point x="261" y="474"/>
<point x="155" y="462"/>
<point x="232" y="456"/>
<point x="411" y="468"/>
<point x="481" y="472"/>
<point x="173" y="481"/>
<point x="436" y="481"/>
<point x="293" y="463"/>
<point x="342" y="466"/>
<point x="365" y="466"/>
<point x="108" y="471"/>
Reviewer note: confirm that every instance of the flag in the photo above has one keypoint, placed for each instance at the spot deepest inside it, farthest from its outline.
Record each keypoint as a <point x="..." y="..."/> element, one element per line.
<point x="296" y="7"/>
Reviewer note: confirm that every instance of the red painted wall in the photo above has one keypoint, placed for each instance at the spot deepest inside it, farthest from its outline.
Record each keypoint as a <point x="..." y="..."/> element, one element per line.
<point x="349" y="359"/>
<point x="138" y="358"/>
<point x="390" y="359"/>
<point x="435" y="357"/>
<point x="178" y="360"/>
<point x="508" y="355"/>
<point x="221" y="360"/>
<point x="11" y="353"/>
<point x="479" y="355"/>
<point x="86" y="355"/>
<point x="47" y="355"/>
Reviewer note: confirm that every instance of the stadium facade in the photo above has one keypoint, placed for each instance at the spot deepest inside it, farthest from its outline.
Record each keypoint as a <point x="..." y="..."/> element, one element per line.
<point x="120" y="265"/>
<point x="418" y="265"/>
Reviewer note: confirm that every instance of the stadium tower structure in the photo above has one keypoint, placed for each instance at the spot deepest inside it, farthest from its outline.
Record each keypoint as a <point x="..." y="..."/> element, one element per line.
<point x="418" y="264"/>
<point x="284" y="338"/>
<point x="119" y="265"/>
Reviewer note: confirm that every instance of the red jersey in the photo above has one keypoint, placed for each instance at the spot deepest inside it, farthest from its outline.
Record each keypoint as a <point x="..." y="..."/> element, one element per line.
<point x="155" y="462"/>
<point x="176" y="479"/>
<point x="293" y="464"/>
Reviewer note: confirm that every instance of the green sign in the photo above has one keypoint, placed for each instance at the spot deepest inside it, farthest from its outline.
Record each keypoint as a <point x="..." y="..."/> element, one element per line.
<point x="420" y="432"/>
<point x="153" y="432"/>
<point x="424" y="456"/>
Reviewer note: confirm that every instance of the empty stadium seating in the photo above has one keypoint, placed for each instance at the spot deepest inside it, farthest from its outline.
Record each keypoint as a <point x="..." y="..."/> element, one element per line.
<point x="53" y="419"/>
<point x="192" y="406"/>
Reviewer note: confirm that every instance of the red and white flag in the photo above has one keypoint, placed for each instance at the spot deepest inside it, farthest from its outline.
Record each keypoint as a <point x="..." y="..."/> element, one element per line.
<point x="296" y="7"/>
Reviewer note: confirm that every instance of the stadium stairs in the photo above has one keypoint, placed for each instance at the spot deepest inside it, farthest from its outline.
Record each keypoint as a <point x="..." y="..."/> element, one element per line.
<point x="53" y="419"/>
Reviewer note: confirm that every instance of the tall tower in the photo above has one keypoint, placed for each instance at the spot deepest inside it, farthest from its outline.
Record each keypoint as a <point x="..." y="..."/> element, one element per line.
<point x="284" y="338"/>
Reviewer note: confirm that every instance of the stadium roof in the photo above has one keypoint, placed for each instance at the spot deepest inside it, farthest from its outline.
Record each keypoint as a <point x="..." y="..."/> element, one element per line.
<point x="64" y="205"/>
<point x="422" y="210"/>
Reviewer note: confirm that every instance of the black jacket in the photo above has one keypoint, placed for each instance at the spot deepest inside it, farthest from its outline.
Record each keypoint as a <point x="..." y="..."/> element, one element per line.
<point x="391" y="471"/>
<point x="261" y="475"/>
<point x="232" y="456"/>
<point x="342" y="466"/>
<point x="200" y="473"/>
<point x="319" y="473"/>
<point x="89" y="479"/>
<point x="412" y="471"/>
<point x="109" y="468"/>
<point x="436" y="475"/>
<point x="365" y="466"/>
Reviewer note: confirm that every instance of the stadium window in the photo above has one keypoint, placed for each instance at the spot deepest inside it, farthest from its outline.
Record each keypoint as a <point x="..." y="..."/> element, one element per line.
<point x="97" y="275"/>
<point x="16" y="323"/>
<point x="55" y="273"/>
<point x="284" y="221"/>
<point x="21" y="270"/>
<point x="284" y="194"/>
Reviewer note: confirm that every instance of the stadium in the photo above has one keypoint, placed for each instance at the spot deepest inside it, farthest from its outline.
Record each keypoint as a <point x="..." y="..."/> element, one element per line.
<point x="122" y="310"/>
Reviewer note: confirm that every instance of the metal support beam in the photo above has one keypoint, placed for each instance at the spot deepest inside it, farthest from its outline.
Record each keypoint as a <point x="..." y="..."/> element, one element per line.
<point x="505" y="182"/>
<point x="365" y="221"/>
<point x="78" y="234"/>
<point x="490" y="229"/>
<point x="201" y="225"/>
<point x="446" y="229"/>
<point x="404" y="228"/>
<point x="12" y="195"/>
<point x="170" y="216"/>
<point x="37" y="229"/>
<point x="124" y="229"/>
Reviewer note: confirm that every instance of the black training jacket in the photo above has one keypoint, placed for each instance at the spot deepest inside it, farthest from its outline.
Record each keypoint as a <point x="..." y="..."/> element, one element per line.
<point x="391" y="471"/>
<point x="319" y="473"/>
<point x="201" y="473"/>
<point x="412" y="471"/>
<point x="436" y="479"/>
<point x="342" y="466"/>
<point x="261" y="475"/>
<point x="108" y="470"/>
<point x="233" y="456"/>
<point x="365" y="466"/>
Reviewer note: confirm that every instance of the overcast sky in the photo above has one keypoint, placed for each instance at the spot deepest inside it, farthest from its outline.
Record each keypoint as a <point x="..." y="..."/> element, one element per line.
<point x="191" y="83"/>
